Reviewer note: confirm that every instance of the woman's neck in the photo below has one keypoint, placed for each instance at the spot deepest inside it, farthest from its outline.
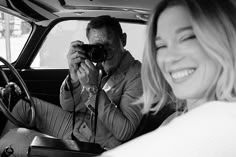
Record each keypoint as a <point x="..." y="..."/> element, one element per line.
<point x="191" y="104"/>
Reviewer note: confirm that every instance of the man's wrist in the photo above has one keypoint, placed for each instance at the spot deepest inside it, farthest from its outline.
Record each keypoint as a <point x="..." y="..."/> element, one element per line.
<point x="92" y="89"/>
<point x="71" y="84"/>
<point x="75" y="84"/>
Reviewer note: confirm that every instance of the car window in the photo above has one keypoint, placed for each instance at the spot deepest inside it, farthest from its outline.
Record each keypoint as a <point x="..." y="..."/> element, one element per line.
<point x="14" y="33"/>
<point x="52" y="53"/>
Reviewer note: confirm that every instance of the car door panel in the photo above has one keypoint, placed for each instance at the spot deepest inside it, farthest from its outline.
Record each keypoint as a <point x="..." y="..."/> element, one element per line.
<point x="44" y="83"/>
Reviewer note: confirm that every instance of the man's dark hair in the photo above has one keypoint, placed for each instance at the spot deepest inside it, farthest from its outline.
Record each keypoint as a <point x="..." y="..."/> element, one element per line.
<point x="105" y="21"/>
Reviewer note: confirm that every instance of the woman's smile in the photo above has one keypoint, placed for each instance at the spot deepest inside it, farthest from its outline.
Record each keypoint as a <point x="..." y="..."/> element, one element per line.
<point x="178" y="76"/>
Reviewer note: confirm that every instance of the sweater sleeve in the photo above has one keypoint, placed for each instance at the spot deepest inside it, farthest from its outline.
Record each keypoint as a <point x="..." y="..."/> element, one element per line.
<point x="67" y="101"/>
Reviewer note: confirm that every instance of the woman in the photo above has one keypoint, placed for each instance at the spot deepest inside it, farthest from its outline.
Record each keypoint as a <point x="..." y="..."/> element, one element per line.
<point x="190" y="57"/>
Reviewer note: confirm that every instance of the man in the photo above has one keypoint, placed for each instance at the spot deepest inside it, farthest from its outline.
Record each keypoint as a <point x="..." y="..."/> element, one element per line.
<point x="116" y="119"/>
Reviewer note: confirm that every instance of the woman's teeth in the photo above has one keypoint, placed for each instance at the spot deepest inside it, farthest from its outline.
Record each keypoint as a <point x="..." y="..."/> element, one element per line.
<point x="182" y="73"/>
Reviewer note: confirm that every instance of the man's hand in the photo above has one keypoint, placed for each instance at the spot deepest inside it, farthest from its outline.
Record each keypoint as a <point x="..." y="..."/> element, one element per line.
<point x="81" y="68"/>
<point x="88" y="74"/>
<point x="74" y="57"/>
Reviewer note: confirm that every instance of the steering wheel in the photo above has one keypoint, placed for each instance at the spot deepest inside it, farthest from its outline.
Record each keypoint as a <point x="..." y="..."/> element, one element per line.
<point x="28" y="98"/>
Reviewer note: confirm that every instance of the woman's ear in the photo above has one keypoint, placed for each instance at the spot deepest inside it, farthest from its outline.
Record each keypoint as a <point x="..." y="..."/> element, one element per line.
<point x="123" y="39"/>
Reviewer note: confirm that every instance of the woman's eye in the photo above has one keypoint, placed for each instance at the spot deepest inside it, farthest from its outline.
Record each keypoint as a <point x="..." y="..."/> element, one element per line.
<point x="160" y="46"/>
<point x="188" y="37"/>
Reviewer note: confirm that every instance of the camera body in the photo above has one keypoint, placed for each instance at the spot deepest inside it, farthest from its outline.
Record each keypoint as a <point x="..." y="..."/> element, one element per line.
<point x="95" y="53"/>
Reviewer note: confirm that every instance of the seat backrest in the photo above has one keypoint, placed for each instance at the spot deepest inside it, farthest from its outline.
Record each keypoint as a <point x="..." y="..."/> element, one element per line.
<point x="152" y="121"/>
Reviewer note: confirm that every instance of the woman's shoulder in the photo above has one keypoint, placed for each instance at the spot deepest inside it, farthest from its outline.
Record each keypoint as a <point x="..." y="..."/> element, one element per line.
<point x="206" y="131"/>
<point x="214" y="110"/>
<point x="218" y="105"/>
<point x="210" y="115"/>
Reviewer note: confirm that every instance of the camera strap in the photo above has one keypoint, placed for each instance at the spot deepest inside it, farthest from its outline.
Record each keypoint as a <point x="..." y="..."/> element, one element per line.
<point x="73" y="113"/>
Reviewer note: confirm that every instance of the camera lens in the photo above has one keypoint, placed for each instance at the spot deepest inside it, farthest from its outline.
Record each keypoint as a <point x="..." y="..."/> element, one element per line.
<point x="95" y="53"/>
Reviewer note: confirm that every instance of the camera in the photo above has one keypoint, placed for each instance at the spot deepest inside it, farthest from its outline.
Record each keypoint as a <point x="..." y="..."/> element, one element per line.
<point x="95" y="53"/>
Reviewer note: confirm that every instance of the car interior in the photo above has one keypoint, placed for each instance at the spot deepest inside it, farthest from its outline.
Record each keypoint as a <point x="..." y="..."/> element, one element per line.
<point x="34" y="40"/>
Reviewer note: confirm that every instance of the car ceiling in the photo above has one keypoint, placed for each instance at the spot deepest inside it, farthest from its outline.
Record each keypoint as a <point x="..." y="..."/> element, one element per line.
<point x="41" y="10"/>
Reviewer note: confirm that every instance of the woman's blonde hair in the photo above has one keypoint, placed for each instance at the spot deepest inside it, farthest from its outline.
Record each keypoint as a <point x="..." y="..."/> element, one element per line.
<point x="214" y="24"/>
